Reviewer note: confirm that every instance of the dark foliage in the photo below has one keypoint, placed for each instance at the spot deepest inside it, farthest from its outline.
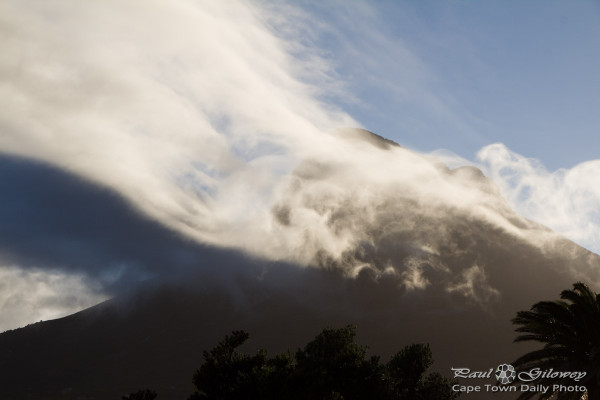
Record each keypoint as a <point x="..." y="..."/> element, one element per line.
<point x="141" y="395"/>
<point x="331" y="367"/>
<point x="570" y="331"/>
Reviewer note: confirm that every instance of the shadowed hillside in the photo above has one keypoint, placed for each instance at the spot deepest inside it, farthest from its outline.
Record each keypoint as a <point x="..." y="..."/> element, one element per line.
<point x="416" y="265"/>
<point x="154" y="337"/>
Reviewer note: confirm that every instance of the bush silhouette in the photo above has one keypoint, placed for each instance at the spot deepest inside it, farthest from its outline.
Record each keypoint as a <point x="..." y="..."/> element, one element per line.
<point x="330" y="367"/>
<point x="141" y="395"/>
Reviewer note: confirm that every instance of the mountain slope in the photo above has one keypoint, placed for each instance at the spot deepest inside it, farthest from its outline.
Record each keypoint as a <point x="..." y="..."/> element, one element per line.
<point x="404" y="262"/>
<point x="155" y="337"/>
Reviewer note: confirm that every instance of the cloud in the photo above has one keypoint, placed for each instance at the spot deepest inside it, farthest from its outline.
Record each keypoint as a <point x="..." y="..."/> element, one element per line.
<point x="37" y="294"/>
<point x="173" y="105"/>
<point x="196" y="113"/>
<point x="566" y="200"/>
<point x="473" y="284"/>
<point x="136" y="139"/>
<point x="55" y="220"/>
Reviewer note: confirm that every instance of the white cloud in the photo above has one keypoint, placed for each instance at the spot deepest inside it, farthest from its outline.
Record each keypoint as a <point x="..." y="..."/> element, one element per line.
<point x="195" y="113"/>
<point x="566" y="200"/>
<point x="413" y="277"/>
<point x="35" y="295"/>
<point x="207" y="121"/>
<point x="473" y="284"/>
<point x="172" y="104"/>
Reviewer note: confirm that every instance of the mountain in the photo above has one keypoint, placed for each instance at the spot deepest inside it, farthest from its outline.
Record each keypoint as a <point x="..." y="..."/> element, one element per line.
<point x="419" y="263"/>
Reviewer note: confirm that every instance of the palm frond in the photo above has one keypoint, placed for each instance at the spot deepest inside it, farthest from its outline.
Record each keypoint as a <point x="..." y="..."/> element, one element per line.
<point x="569" y="329"/>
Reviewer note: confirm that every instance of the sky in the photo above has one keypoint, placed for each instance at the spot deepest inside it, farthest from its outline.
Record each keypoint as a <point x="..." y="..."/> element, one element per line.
<point x="204" y="122"/>
<point x="460" y="75"/>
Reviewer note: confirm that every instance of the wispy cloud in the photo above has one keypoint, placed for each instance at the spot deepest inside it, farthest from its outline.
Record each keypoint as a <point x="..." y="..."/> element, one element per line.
<point x="36" y="294"/>
<point x="566" y="200"/>
<point x="209" y="119"/>
<point x="473" y="284"/>
<point x="171" y="105"/>
<point x="196" y="113"/>
<point x="384" y="77"/>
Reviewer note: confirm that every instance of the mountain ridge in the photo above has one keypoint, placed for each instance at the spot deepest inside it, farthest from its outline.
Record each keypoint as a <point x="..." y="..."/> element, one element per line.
<point x="421" y="270"/>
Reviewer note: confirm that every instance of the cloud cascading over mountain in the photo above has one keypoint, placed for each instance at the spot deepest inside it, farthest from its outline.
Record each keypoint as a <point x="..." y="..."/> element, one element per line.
<point x="566" y="200"/>
<point x="210" y="120"/>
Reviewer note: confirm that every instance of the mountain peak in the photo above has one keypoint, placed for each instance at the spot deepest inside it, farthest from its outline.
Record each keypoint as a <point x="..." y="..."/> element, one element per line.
<point x="359" y="134"/>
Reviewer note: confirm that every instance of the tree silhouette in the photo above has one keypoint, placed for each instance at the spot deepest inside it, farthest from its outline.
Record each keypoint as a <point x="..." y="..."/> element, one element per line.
<point x="330" y="367"/>
<point x="570" y="331"/>
<point x="228" y="374"/>
<point x="406" y="372"/>
<point x="333" y="366"/>
<point x="141" y="395"/>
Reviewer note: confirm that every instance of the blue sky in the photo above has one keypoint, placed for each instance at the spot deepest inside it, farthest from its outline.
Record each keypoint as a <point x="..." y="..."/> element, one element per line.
<point x="511" y="87"/>
<point x="460" y="75"/>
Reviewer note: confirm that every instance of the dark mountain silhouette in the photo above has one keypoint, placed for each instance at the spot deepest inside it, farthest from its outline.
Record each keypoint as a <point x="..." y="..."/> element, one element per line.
<point x="432" y="274"/>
